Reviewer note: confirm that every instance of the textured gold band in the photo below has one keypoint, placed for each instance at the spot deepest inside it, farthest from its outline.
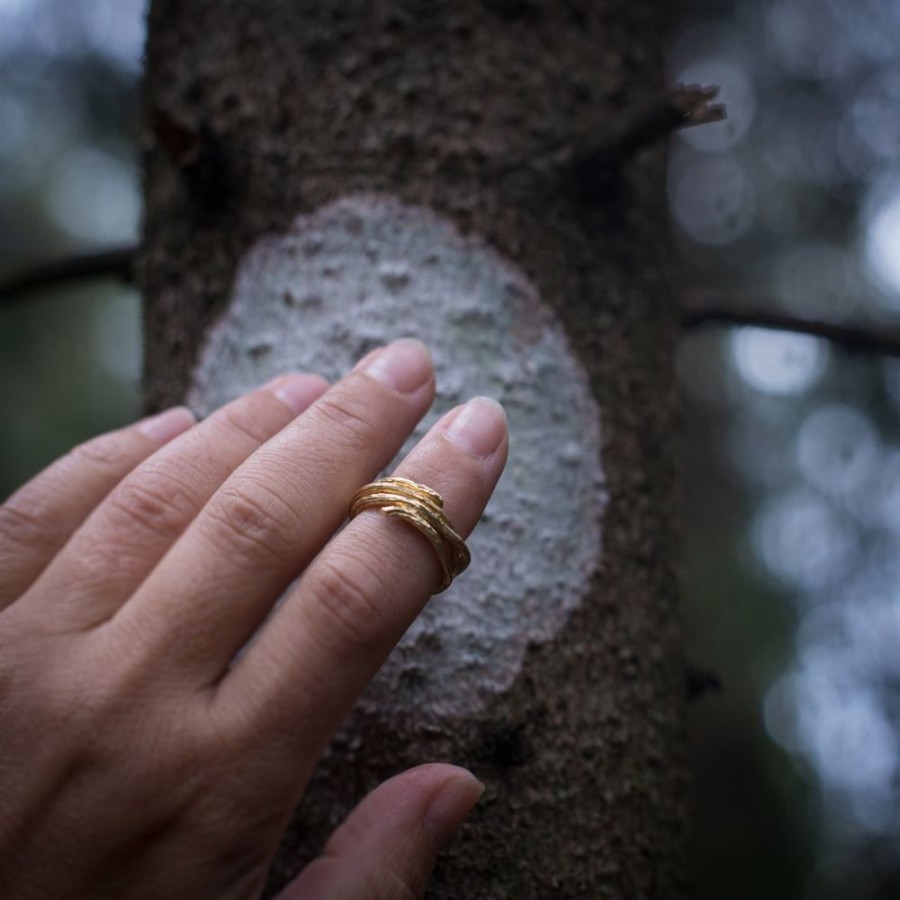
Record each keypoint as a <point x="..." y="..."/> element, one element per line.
<point x="423" y="508"/>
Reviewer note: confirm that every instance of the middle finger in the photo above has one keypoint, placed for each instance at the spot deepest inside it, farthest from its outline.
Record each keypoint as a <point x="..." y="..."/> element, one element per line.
<point x="277" y="510"/>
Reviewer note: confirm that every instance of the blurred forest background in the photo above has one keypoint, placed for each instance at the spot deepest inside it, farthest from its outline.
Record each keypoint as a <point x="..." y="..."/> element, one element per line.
<point x="791" y="575"/>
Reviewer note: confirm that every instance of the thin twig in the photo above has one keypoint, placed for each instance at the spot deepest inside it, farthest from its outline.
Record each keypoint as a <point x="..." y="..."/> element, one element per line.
<point x="684" y="106"/>
<point x="599" y="157"/>
<point x="701" y="308"/>
<point x="117" y="262"/>
<point x="592" y="167"/>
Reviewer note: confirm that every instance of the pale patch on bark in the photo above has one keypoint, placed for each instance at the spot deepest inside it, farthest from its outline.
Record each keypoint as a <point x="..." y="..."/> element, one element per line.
<point x="365" y="270"/>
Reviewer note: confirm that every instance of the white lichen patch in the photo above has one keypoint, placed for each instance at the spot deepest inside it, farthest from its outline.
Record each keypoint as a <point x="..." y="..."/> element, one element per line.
<point x="365" y="270"/>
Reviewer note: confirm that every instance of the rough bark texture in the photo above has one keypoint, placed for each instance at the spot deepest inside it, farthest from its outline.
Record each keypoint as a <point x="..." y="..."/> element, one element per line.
<point x="256" y="112"/>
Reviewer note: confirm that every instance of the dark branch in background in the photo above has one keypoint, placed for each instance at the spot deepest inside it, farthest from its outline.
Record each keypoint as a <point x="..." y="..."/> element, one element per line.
<point x="701" y="308"/>
<point x="684" y="106"/>
<point x="117" y="262"/>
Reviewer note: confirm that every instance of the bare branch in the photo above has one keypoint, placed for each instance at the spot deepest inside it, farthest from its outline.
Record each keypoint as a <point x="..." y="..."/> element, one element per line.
<point x="117" y="262"/>
<point x="701" y="308"/>
<point x="682" y="107"/>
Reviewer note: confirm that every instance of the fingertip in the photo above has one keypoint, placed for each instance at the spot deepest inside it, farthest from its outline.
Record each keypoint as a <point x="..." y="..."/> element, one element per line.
<point x="167" y="425"/>
<point x="451" y="805"/>
<point x="297" y="390"/>
<point x="478" y="427"/>
<point x="404" y="366"/>
<point x="387" y="847"/>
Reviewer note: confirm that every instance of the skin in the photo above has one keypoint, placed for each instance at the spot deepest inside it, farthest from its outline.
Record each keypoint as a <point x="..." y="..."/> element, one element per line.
<point x="142" y="755"/>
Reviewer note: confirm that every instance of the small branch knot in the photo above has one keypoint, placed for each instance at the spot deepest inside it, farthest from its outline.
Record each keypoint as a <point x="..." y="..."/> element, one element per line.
<point x="692" y="101"/>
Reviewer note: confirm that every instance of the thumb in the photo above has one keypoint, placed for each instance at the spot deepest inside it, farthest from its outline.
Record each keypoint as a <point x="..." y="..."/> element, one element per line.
<point x="386" y="848"/>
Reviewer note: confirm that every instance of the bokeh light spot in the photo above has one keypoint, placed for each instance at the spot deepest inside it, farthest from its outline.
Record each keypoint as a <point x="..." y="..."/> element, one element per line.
<point x="837" y="449"/>
<point x="711" y="199"/>
<point x="881" y="223"/>
<point x="886" y="502"/>
<point x="778" y="363"/>
<point x="735" y="92"/>
<point x="817" y="280"/>
<point x="94" y="196"/>
<point x="801" y="540"/>
<point x="876" y="115"/>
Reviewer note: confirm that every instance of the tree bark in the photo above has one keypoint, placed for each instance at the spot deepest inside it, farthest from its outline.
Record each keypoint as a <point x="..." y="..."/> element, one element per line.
<point x="256" y="113"/>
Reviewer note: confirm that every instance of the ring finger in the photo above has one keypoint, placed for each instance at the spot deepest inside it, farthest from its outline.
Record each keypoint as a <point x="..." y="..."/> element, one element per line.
<point x="363" y="591"/>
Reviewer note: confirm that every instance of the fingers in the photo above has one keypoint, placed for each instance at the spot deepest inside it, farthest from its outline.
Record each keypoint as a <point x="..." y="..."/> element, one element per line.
<point x="133" y="528"/>
<point x="386" y="848"/>
<point x="364" y="590"/>
<point x="274" y="514"/>
<point x="38" y="519"/>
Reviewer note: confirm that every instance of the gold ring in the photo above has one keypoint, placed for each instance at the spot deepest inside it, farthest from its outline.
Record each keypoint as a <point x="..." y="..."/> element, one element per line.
<point x="423" y="508"/>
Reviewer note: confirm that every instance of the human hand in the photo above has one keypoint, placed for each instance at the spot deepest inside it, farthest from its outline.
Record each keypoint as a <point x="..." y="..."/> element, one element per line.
<point x="139" y="757"/>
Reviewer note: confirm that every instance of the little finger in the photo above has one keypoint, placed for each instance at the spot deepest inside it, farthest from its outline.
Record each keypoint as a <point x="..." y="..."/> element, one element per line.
<point x="132" y="529"/>
<point x="37" y="520"/>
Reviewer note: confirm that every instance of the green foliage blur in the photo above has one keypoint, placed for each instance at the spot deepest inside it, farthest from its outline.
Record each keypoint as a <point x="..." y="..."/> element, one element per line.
<point x="69" y="357"/>
<point x="57" y="389"/>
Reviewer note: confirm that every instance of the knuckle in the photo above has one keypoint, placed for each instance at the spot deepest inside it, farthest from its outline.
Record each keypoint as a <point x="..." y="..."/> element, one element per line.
<point x="254" y="518"/>
<point x="353" y="418"/>
<point x="24" y="524"/>
<point x="382" y="881"/>
<point x="397" y="885"/>
<point x="13" y="662"/>
<point x="65" y="700"/>
<point x="373" y="883"/>
<point x="30" y="518"/>
<point x="350" y="594"/>
<point x="224" y="778"/>
<point x="107" y="682"/>
<point x="102" y="453"/>
<point x="242" y="420"/>
<point x="152" y="501"/>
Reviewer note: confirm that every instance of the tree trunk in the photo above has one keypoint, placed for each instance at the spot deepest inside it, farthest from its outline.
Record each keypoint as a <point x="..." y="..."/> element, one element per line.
<point x="322" y="176"/>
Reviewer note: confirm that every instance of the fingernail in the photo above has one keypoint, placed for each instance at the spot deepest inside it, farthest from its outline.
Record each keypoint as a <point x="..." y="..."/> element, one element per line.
<point x="297" y="391"/>
<point x="478" y="427"/>
<point x="167" y="425"/>
<point x="450" y="806"/>
<point x="403" y="366"/>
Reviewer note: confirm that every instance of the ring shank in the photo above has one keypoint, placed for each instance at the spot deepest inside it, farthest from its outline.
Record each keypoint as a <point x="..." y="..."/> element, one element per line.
<point x="422" y="508"/>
